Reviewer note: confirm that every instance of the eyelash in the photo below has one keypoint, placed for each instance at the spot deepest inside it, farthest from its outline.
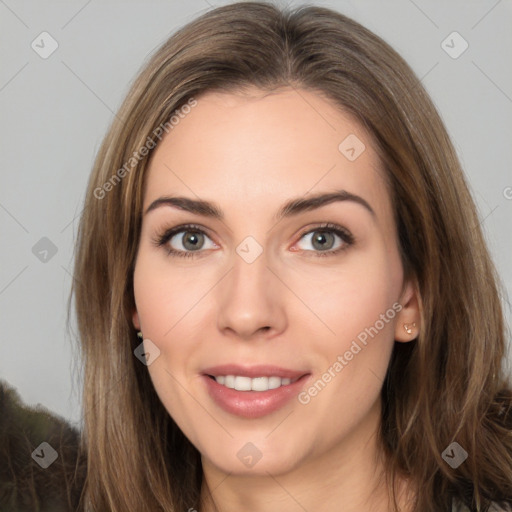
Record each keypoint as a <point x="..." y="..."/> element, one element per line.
<point x="162" y="239"/>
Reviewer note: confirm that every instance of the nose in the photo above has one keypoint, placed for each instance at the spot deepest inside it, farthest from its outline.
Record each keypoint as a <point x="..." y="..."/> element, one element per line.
<point x="250" y="301"/>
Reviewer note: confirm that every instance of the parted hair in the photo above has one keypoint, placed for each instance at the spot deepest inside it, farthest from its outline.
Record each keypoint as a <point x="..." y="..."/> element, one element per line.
<point x="447" y="385"/>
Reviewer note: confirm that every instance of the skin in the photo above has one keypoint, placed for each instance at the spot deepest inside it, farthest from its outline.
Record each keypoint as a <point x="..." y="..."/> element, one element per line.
<point x="249" y="154"/>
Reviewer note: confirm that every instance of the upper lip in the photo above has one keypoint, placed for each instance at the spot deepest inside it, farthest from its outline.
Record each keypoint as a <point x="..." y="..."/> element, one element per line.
<point x="260" y="370"/>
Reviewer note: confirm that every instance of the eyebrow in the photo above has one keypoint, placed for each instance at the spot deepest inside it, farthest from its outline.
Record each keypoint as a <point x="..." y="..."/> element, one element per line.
<point x="289" y="209"/>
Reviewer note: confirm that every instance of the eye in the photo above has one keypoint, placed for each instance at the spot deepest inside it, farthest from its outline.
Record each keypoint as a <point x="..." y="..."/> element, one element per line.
<point x="189" y="240"/>
<point x="327" y="240"/>
<point x="184" y="241"/>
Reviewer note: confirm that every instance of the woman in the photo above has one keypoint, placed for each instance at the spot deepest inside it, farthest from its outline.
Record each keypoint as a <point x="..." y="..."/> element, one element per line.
<point x="283" y="292"/>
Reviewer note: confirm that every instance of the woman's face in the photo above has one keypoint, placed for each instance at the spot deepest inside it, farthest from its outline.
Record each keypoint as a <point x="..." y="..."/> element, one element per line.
<point x="298" y="316"/>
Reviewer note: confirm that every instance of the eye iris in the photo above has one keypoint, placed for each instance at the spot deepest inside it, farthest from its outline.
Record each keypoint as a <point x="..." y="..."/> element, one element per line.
<point x="193" y="238"/>
<point x="320" y="237"/>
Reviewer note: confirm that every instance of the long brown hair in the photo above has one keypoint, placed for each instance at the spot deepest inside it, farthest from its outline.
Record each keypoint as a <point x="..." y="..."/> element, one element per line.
<point x="448" y="385"/>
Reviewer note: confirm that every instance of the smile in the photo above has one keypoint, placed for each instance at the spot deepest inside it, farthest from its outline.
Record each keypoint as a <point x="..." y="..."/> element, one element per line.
<point x="253" y="391"/>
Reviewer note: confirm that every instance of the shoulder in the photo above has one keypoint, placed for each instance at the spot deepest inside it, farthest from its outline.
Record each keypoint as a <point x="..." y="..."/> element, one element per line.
<point x="41" y="453"/>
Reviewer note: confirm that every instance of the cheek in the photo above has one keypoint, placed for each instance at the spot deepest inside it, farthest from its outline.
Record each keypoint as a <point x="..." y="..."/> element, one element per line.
<point x="351" y="297"/>
<point x="163" y="300"/>
<point x="164" y="294"/>
<point x="170" y="302"/>
<point x="360" y="308"/>
<point x="159" y="304"/>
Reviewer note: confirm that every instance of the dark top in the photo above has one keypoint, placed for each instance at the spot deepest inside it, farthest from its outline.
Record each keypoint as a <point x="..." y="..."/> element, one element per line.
<point x="40" y="463"/>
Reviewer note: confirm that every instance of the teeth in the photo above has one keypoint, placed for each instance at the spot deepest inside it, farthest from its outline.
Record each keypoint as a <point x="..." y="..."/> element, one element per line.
<point x="274" y="382"/>
<point x="257" y="384"/>
<point x="243" y="383"/>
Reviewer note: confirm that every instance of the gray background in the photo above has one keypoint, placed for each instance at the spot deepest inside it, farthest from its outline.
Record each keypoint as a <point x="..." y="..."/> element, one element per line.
<point x="55" y="112"/>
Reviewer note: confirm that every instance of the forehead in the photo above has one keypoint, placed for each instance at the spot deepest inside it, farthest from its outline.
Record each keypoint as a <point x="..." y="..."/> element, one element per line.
<point x="252" y="151"/>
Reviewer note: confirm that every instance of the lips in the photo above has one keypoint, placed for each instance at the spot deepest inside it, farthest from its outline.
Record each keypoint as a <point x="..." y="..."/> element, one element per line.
<point x="251" y="403"/>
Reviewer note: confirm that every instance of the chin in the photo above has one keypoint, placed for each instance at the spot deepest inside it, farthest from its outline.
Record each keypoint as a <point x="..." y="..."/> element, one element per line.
<point x="245" y="457"/>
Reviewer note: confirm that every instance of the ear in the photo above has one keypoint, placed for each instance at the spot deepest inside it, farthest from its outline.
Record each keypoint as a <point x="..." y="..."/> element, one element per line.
<point x="407" y="326"/>
<point x="135" y="319"/>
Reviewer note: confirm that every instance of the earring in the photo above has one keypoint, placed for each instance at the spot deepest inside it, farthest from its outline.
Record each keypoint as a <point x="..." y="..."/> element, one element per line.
<point x="139" y="334"/>
<point x="408" y="327"/>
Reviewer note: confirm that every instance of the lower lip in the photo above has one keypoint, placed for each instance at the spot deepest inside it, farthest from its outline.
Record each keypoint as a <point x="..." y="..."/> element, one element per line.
<point x="252" y="404"/>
